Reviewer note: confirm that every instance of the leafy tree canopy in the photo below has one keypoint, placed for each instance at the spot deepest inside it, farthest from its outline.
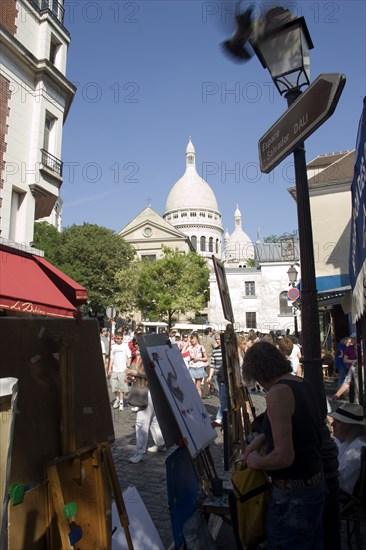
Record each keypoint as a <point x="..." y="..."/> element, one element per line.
<point x="175" y="283"/>
<point x="47" y="238"/>
<point x="92" y="255"/>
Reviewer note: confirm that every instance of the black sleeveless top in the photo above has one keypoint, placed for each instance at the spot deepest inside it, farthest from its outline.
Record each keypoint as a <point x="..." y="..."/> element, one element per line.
<point x="306" y="433"/>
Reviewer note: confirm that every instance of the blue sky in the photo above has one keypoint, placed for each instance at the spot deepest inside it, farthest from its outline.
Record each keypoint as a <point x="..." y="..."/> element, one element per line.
<point x="151" y="73"/>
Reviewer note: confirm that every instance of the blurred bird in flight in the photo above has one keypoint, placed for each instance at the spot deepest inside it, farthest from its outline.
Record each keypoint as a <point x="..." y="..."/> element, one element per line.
<point x="253" y="28"/>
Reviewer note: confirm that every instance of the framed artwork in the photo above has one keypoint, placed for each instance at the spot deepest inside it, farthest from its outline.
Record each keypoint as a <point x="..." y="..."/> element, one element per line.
<point x="223" y="289"/>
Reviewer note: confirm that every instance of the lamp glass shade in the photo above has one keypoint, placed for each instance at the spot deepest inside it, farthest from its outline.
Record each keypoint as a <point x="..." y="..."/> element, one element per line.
<point x="285" y="53"/>
<point x="292" y="274"/>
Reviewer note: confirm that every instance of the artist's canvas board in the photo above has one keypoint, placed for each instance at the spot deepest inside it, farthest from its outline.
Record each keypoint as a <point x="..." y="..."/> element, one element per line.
<point x="142" y="529"/>
<point x="31" y="353"/>
<point x="185" y="403"/>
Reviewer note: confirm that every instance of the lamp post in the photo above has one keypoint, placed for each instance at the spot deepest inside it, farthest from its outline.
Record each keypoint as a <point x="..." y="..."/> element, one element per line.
<point x="283" y="49"/>
<point x="292" y="277"/>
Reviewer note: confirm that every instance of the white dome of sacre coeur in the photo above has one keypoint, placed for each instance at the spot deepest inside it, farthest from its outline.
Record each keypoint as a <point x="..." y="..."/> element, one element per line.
<point x="192" y="208"/>
<point x="191" y="191"/>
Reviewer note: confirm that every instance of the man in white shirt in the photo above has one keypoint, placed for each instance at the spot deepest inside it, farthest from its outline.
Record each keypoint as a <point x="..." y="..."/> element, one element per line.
<point x="120" y="360"/>
<point x="295" y="357"/>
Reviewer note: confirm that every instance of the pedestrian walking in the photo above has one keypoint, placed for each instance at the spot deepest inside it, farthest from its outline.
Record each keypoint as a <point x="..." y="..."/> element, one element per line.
<point x="339" y="365"/>
<point x="350" y="362"/>
<point x="216" y="375"/>
<point x="145" y="421"/>
<point x="120" y="360"/>
<point x="197" y="362"/>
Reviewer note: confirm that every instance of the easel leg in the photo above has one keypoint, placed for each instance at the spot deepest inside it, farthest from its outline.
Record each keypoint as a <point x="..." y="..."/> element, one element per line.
<point x="58" y="503"/>
<point x="122" y="512"/>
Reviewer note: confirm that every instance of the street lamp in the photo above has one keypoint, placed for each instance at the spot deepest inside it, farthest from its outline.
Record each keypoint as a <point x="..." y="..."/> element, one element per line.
<point x="292" y="275"/>
<point x="283" y="49"/>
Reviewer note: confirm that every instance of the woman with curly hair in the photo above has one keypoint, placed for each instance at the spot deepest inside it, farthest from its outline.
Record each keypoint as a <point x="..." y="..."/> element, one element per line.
<point x="291" y="440"/>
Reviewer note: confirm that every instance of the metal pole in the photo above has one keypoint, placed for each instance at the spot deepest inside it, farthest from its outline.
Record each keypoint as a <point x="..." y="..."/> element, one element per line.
<point x="310" y="338"/>
<point x="295" y="322"/>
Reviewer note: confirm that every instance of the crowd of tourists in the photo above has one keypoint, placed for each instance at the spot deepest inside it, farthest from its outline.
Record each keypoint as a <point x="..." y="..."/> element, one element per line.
<point x="286" y="447"/>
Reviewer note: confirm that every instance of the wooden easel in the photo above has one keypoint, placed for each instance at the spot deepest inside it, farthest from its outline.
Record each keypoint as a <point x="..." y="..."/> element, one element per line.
<point x="239" y="400"/>
<point x="66" y="477"/>
<point x="215" y="507"/>
<point x="121" y="507"/>
<point x="100" y="455"/>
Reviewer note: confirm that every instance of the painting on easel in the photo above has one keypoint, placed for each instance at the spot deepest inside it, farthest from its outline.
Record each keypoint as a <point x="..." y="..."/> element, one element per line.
<point x="236" y="421"/>
<point x="223" y="289"/>
<point x="175" y="396"/>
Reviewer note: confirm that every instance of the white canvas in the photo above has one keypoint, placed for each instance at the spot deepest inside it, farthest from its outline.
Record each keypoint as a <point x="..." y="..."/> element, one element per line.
<point x="142" y="529"/>
<point x="184" y="401"/>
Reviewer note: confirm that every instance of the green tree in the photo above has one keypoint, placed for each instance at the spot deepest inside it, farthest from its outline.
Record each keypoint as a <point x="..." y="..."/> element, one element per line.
<point x="175" y="283"/>
<point x="92" y="255"/>
<point x="47" y="238"/>
<point x="127" y="282"/>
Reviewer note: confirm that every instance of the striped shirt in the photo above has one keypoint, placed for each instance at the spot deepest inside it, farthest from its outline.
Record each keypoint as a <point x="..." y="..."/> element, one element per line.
<point x="216" y="363"/>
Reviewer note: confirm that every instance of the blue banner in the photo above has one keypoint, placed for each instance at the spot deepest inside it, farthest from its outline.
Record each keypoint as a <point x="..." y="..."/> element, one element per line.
<point x="357" y="259"/>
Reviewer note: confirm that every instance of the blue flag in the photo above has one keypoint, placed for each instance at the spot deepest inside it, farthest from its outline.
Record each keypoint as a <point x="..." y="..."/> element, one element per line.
<point x="357" y="259"/>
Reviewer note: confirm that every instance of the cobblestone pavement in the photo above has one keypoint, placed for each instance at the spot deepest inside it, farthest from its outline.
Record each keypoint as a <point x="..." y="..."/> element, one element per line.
<point x="149" y="476"/>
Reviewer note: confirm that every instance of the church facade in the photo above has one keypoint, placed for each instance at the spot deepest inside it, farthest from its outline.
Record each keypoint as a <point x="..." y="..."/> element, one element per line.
<point x="256" y="272"/>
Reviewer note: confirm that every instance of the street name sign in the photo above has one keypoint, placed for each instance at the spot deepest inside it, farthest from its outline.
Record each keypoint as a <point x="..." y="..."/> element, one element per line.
<point x="301" y="119"/>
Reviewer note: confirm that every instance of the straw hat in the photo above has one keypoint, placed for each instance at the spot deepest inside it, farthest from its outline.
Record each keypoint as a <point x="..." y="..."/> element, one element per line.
<point x="349" y="413"/>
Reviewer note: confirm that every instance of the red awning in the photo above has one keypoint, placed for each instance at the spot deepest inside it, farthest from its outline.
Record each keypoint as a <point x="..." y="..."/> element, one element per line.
<point x="70" y="288"/>
<point x="26" y="288"/>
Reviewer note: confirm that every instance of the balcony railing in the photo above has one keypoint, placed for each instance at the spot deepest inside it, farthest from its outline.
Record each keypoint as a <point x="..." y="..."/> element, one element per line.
<point x="55" y="8"/>
<point x="52" y="163"/>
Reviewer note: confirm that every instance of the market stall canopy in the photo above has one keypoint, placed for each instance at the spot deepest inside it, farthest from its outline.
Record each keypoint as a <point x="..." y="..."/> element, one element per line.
<point x="29" y="284"/>
<point x="332" y="289"/>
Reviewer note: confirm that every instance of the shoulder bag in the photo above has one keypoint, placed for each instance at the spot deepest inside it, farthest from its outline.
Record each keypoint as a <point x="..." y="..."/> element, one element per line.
<point x="138" y="396"/>
<point x="251" y="492"/>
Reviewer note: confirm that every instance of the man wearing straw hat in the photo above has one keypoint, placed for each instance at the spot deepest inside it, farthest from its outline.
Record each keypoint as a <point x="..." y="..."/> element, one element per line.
<point x="349" y="430"/>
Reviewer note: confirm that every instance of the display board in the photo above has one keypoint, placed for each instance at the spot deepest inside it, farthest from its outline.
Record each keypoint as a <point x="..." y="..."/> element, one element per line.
<point x="179" y="408"/>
